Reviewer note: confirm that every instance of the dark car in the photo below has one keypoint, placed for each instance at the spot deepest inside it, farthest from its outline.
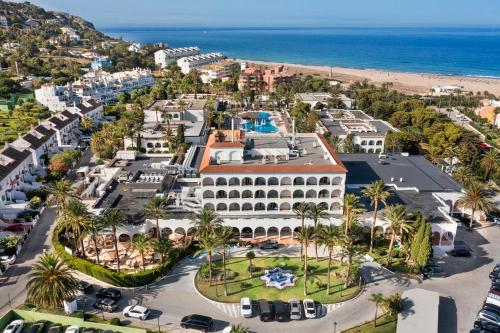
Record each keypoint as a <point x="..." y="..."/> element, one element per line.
<point x="105" y="304"/>
<point x="281" y="311"/>
<point x="494" y="275"/>
<point x="268" y="245"/>
<point x="197" y="322"/>
<point x="85" y="287"/>
<point x="266" y="311"/>
<point x="496" y="268"/>
<point x="37" y="327"/>
<point x="492" y="308"/>
<point x="487" y="326"/>
<point x="495" y="287"/>
<point x="461" y="252"/>
<point x="55" y="329"/>
<point x="432" y="271"/>
<point x="89" y="330"/>
<point x="478" y="330"/>
<point x="111" y="293"/>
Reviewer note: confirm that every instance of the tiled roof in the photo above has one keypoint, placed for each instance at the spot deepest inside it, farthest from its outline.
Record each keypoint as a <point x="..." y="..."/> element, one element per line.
<point x="61" y="123"/>
<point x="89" y="106"/>
<point x="17" y="156"/>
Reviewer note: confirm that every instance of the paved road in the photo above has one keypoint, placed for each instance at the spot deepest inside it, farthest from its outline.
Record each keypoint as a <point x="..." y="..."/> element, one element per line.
<point x="13" y="282"/>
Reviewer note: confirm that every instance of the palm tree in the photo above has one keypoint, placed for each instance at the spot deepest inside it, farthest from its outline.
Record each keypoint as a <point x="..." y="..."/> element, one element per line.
<point x="329" y="237"/>
<point x="156" y="209"/>
<point x="141" y="243"/>
<point x="351" y="252"/>
<point x="238" y="328"/>
<point x="315" y="213"/>
<point x="351" y="206"/>
<point x="306" y="236"/>
<point x="98" y="143"/>
<point x="398" y="224"/>
<point x="50" y="282"/>
<point x="476" y="198"/>
<point x="377" y="298"/>
<point x="113" y="219"/>
<point x="224" y="238"/>
<point x="302" y="212"/>
<point x="76" y="218"/>
<point x="250" y="256"/>
<point x="207" y="242"/>
<point x="464" y="175"/>
<point x="206" y="221"/>
<point x="162" y="246"/>
<point x="490" y="162"/>
<point x="93" y="228"/>
<point x="86" y="123"/>
<point x="220" y="119"/>
<point x="60" y="192"/>
<point x="377" y="192"/>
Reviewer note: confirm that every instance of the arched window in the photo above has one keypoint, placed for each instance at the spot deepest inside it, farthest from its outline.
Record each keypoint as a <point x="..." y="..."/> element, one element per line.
<point x="286" y="181"/>
<point x="323" y="194"/>
<point x="247" y="206"/>
<point x="379" y="142"/>
<point x="234" y="181"/>
<point x="337" y="181"/>
<point x="336" y="193"/>
<point x="247" y="194"/>
<point x="234" y="194"/>
<point x="234" y="207"/>
<point x="247" y="181"/>
<point x="165" y="144"/>
<point x="324" y="205"/>
<point x="208" y="181"/>
<point x="298" y="181"/>
<point x="336" y="206"/>
<point x="209" y="206"/>
<point x="285" y="194"/>
<point x="150" y="145"/>
<point x="285" y="206"/>
<point x="272" y="194"/>
<point x="259" y="206"/>
<point x="272" y="206"/>
<point x="259" y="232"/>
<point x="378" y="150"/>
<point x="221" y="206"/>
<point x="298" y="194"/>
<point x="246" y="232"/>
<point x="371" y="142"/>
<point x="311" y="194"/>
<point x="221" y="181"/>
<point x="312" y="181"/>
<point x="259" y="181"/>
<point x="324" y="181"/>
<point x="370" y="151"/>
<point x="273" y="181"/>
<point x="363" y="142"/>
<point x="272" y="232"/>
<point x="260" y="194"/>
<point x="165" y="232"/>
<point x="208" y="195"/>
<point x="158" y="145"/>
<point x="221" y="194"/>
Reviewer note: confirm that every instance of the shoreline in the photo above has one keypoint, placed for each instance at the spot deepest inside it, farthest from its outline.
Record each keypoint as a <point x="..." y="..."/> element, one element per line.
<point x="408" y="82"/>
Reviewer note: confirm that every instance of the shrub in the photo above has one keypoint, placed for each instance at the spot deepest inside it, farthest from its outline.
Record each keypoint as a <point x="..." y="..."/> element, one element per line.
<point x="35" y="202"/>
<point x="115" y="321"/>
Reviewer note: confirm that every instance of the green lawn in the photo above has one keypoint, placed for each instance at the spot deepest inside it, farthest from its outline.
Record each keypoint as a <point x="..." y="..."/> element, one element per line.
<point x="242" y="285"/>
<point x="385" y="324"/>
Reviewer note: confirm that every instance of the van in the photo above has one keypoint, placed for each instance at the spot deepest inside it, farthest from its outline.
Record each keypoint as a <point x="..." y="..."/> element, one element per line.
<point x="266" y="312"/>
<point x="281" y="310"/>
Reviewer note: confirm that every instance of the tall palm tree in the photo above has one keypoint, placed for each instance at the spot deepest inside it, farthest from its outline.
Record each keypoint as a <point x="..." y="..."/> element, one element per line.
<point x="113" y="219"/>
<point x="162" y="246"/>
<point x="398" y="224"/>
<point x="76" y="218"/>
<point x="250" y="256"/>
<point x="206" y="221"/>
<point x="351" y="206"/>
<point x="60" y="192"/>
<point x="220" y="119"/>
<point x="93" y="228"/>
<point x="302" y="212"/>
<point x="98" y="142"/>
<point x="464" y="175"/>
<point x="316" y="213"/>
<point x="156" y="209"/>
<point x="377" y="298"/>
<point x="329" y="236"/>
<point x="378" y="192"/>
<point x="86" y="123"/>
<point x="476" y="198"/>
<point x="224" y="238"/>
<point x="208" y="242"/>
<point x="351" y="252"/>
<point x="141" y="243"/>
<point x="490" y="162"/>
<point x="306" y="236"/>
<point x="50" y="282"/>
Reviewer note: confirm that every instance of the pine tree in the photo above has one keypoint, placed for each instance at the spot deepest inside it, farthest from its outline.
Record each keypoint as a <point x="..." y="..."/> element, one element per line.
<point x="422" y="244"/>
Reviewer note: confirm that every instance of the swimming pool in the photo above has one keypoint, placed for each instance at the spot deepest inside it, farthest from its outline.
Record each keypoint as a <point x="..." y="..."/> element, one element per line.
<point x="261" y="124"/>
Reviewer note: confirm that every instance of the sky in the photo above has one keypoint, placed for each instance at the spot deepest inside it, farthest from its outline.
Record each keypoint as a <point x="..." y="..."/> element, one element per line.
<point x="282" y="13"/>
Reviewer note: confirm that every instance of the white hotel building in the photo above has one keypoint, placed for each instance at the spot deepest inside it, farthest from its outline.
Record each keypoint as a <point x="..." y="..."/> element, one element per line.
<point x="253" y="182"/>
<point x="163" y="58"/>
<point x="196" y="61"/>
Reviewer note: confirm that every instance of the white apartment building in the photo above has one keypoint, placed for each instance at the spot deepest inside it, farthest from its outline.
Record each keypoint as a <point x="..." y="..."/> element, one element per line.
<point x="163" y="58"/>
<point x="15" y="164"/>
<point x="192" y="110"/>
<point x="322" y="97"/>
<point x="56" y="98"/>
<point x="218" y="71"/>
<point x="37" y="142"/>
<point x="89" y="108"/>
<point x="65" y="124"/>
<point x="255" y="181"/>
<point x="196" y="61"/>
<point x="134" y="47"/>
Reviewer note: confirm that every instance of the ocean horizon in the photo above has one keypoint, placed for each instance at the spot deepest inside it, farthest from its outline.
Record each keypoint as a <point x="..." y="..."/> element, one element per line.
<point x="445" y="51"/>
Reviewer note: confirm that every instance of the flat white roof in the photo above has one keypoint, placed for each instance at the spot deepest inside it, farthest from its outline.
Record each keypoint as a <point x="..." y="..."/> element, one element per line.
<point x="420" y="312"/>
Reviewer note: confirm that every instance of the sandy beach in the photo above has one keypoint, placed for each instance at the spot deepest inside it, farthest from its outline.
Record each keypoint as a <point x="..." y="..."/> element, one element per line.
<point x="414" y="83"/>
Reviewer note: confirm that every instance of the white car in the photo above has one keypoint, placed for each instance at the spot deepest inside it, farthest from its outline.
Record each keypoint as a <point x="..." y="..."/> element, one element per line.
<point x="14" y="327"/>
<point x="72" y="329"/>
<point x="136" y="311"/>
<point x="246" y="307"/>
<point x="9" y="259"/>
<point x="309" y="308"/>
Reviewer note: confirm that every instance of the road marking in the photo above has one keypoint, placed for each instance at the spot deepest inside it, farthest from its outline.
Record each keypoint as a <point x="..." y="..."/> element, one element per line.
<point x="231" y="309"/>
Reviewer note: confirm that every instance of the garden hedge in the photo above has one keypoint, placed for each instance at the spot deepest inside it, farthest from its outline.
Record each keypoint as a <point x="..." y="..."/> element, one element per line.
<point x="121" y="279"/>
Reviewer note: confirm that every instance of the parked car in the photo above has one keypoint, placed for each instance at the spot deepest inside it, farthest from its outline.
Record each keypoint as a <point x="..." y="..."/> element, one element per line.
<point x="477" y="330"/>
<point x="495" y="287"/>
<point x="197" y="322"/>
<point x="266" y="311"/>
<point x="72" y="329"/>
<point x="496" y="268"/>
<point x="89" y="330"/>
<point x="55" y="329"/>
<point x="494" y="275"/>
<point x="246" y="307"/>
<point x="85" y="287"/>
<point x="106" y="304"/>
<point x="9" y="259"/>
<point x="15" y="326"/>
<point x="281" y="311"/>
<point x="487" y="326"/>
<point x="488" y="316"/>
<point x="461" y="252"/>
<point x="111" y="293"/>
<point x="295" y="309"/>
<point x="432" y="271"/>
<point x="492" y="308"/>
<point x="37" y="327"/>
<point x="309" y="308"/>
<point x="268" y="245"/>
<point x="136" y="311"/>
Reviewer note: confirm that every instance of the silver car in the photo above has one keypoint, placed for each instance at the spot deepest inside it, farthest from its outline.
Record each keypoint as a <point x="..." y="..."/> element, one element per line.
<point x="295" y="309"/>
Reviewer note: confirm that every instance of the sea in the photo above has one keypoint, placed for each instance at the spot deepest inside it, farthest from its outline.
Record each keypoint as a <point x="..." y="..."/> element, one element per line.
<point x="446" y="51"/>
